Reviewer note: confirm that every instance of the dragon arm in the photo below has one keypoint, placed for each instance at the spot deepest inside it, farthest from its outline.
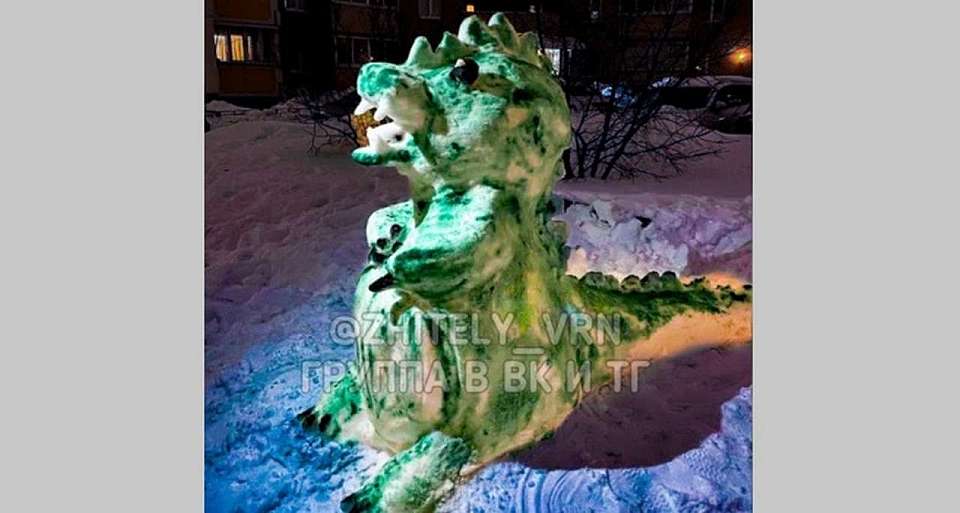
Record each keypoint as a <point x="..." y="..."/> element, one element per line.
<point x="455" y="247"/>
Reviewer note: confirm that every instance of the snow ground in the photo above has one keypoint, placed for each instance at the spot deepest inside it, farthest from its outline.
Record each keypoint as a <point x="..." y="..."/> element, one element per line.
<point x="220" y="113"/>
<point x="284" y="243"/>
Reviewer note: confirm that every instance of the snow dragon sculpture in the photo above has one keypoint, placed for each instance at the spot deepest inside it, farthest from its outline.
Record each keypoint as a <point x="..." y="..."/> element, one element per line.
<point x="473" y="343"/>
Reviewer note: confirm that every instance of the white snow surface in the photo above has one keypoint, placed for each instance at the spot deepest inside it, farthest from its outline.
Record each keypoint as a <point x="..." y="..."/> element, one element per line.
<point x="224" y="106"/>
<point x="623" y="234"/>
<point x="284" y="245"/>
<point x="220" y="113"/>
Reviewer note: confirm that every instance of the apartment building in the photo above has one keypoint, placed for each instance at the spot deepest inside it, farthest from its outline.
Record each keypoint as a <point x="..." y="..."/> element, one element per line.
<point x="693" y="37"/>
<point x="362" y="31"/>
<point x="242" y="38"/>
<point x="265" y="50"/>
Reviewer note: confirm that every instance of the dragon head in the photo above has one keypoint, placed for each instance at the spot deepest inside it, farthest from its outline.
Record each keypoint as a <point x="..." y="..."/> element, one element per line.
<point x="483" y="107"/>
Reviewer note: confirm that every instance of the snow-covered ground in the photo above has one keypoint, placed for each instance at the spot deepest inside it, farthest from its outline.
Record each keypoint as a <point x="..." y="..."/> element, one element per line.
<point x="220" y="113"/>
<point x="284" y="244"/>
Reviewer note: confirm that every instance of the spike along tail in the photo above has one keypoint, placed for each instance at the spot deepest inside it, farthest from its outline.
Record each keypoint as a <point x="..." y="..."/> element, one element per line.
<point x="660" y="316"/>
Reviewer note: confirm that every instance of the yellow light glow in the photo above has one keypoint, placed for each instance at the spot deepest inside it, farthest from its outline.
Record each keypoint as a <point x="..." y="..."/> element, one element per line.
<point x="220" y="40"/>
<point x="236" y="47"/>
<point x="471" y="8"/>
<point x="741" y="56"/>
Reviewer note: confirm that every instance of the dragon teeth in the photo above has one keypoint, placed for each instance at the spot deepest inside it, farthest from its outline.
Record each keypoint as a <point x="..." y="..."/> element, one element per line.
<point x="375" y="143"/>
<point x="363" y="107"/>
<point x="381" y="111"/>
<point x="379" y="138"/>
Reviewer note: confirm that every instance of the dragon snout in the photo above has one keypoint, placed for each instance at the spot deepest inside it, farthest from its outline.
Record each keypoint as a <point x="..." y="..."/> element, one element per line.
<point x="375" y="78"/>
<point x="394" y="93"/>
<point x="401" y="100"/>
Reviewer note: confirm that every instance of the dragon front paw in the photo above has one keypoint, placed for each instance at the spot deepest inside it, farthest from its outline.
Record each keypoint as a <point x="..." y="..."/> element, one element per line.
<point x="412" y="481"/>
<point x="335" y="409"/>
<point x="360" y="502"/>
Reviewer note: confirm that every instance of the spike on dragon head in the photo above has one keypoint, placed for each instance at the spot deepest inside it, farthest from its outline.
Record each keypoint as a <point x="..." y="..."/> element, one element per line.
<point x="484" y="107"/>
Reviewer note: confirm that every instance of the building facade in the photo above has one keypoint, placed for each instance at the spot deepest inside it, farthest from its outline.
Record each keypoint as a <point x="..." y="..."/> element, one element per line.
<point x="242" y="60"/>
<point x="362" y="31"/>
<point x="266" y="50"/>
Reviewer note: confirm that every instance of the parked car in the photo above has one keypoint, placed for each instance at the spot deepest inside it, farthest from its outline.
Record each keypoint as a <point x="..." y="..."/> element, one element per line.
<point x="618" y="97"/>
<point x="720" y="102"/>
<point x="723" y="103"/>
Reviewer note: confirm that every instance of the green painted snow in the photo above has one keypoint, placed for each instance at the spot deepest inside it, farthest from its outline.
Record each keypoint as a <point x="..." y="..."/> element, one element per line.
<point x="476" y="238"/>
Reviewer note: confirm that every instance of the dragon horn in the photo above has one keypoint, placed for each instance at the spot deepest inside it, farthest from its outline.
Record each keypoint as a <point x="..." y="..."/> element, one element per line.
<point x="451" y="48"/>
<point x="529" y="47"/>
<point x="504" y="31"/>
<point x="475" y="32"/>
<point x="421" y="54"/>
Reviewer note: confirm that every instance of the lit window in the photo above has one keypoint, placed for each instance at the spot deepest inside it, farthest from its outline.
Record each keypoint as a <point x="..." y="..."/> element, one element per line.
<point x="220" y="40"/>
<point x="243" y="45"/>
<point x="237" y="48"/>
<point x="471" y="8"/>
<point x="554" y="55"/>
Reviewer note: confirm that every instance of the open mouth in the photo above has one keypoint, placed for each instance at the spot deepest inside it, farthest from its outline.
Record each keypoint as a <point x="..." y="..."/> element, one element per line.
<point x="392" y="133"/>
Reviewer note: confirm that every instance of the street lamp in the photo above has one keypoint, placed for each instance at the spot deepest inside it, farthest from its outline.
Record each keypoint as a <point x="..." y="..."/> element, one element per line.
<point x="740" y="58"/>
<point x="741" y="55"/>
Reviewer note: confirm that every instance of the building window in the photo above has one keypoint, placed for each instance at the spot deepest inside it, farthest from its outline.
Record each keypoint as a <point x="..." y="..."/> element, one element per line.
<point x="596" y="7"/>
<point x="361" y="51"/>
<point x="505" y="6"/>
<point x="239" y="51"/>
<point x="295" y="5"/>
<point x="355" y="51"/>
<point x="378" y="50"/>
<point x="470" y="9"/>
<point x="722" y="9"/>
<point x="554" y="55"/>
<point x="344" y="52"/>
<point x="658" y="7"/>
<point x="220" y="40"/>
<point x="716" y="10"/>
<point x="373" y="3"/>
<point x="658" y="57"/>
<point x="242" y="45"/>
<point x="430" y="9"/>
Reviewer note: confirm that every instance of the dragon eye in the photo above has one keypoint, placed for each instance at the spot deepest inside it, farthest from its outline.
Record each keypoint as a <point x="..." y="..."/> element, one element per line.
<point x="466" y="71"/>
